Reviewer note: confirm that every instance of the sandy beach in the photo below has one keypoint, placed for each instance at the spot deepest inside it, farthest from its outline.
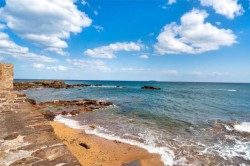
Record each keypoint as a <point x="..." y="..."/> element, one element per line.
<point x="100" y="151"/>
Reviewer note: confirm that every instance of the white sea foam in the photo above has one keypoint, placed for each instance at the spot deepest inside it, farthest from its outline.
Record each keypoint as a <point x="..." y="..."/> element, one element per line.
<point x="167" y="156"/>
<point x="232" y="90"/>
<point x="243" y="127"/>
<point x="69" y="122"/>
<point x="229" y="90"/>
<point x="238" y="149"/>
<point x="105" y="86"/>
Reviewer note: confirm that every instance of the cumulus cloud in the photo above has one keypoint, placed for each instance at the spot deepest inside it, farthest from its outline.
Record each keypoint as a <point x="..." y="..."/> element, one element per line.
<point x="10" y="48"/>
<point x="55" y="68"/>
<point x="109" y="51"/>
<point x="228" y="8"/>
<point x="144" y="56"/>
<point x="193" y="36"/>
<point x="89" y="65"/>
<point x="47" y="23"/>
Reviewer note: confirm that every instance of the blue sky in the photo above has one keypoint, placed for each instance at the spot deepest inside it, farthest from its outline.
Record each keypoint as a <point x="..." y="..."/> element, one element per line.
<point x="175" y="40"/>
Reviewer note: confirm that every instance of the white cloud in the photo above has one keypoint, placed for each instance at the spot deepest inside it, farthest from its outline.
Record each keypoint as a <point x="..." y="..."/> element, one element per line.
<point x="109" y="51"/>
<point x="228" y="8"/>
<point x="134" y="69"/>
<point x="193" y="36"/>
<point x="209" y="74"/>
<point x="55" y="68"/>
<point x="144" y="56"/>
<point x="89" y="65"/>
<point x="218" y="23"/>
<point x="10" y="48"/>
<point x="47" y="23"/>
<point x="170" y="2"/>
<point x="84" y="2"/>
<point x="58" y="51"/>
<point x="170" y="72"/>
<point x="38" y="65"/>
<point x="98" y="28"/>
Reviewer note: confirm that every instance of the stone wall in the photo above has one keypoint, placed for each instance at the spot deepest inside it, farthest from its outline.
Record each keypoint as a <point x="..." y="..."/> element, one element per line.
<point x="11" y="99"/>
<point x="6" y="76"/>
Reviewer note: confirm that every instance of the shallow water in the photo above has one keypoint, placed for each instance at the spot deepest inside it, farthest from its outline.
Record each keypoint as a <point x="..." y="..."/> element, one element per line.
<point x="186" y="123"/>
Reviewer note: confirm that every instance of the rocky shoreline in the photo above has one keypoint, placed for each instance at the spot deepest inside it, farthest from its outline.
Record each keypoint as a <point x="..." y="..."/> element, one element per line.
<point x="46" y="84"/>
<point x="29" y="136"/>
<point x="26" y="137"/>
<point x="61" y="84"/>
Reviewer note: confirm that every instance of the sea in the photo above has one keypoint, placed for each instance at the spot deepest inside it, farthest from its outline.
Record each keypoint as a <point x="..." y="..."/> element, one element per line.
<point x="185" y="123"/>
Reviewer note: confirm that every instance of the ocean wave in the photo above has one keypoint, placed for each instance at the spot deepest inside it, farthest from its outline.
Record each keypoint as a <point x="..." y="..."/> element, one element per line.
<point x="242" y="127"/>
<point x="106" y="86"/>
<point x="167" y="156"/>
<point x="232" y="90"/>
<point x="228" y="90"/>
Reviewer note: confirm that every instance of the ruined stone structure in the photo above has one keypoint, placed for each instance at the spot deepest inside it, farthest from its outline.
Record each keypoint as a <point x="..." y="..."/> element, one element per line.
<point x="6" y="76"/>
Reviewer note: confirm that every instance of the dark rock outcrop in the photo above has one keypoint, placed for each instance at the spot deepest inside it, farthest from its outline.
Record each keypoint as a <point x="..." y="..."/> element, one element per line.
<point x="46" y="84"/>
<point x="52" y="108"/>
<point x="150" y="88"/>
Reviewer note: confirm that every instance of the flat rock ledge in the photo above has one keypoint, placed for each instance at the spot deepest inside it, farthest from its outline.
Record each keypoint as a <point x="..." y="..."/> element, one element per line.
<point x="65" y="107"/>
<point x="26" y="138"/>
<point x="46" y="84"/>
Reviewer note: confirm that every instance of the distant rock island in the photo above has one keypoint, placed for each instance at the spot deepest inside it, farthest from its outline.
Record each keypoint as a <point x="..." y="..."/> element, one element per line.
<point x="150" y="88"/>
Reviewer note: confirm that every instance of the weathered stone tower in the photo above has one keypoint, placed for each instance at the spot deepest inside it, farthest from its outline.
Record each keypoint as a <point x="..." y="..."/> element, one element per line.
<point x="6" y="76"/>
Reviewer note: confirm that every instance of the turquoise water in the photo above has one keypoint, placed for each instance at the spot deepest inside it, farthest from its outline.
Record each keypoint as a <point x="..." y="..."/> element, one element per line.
<point x="186" y="123"/>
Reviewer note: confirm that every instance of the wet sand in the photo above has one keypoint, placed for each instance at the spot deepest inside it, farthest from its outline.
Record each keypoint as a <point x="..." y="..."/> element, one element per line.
<point x="97" y="151"/>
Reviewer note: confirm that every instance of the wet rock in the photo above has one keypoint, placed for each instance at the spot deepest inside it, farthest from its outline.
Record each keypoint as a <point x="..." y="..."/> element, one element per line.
<point x="132" y="163"/>
<point x="64" y="113"/>
<point x="93" y="127"/>
<point x="84" y="145"/>
<point x="150" y="88"/>
<point x="31" y="101"/>
<point x="73" y="107"/>
<point x="24" y="161"/>
<point x="118" y="142"/>
<point x="11" y="136"/>
<point x="48" y="115"/>
<point x="75" y="112"/>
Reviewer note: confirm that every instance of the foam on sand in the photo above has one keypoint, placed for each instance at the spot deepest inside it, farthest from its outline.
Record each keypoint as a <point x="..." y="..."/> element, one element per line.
<point x="167" y="156"/>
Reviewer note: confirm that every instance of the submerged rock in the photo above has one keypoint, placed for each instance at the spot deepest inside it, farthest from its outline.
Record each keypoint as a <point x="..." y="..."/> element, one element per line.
<point x="150" y="88"/>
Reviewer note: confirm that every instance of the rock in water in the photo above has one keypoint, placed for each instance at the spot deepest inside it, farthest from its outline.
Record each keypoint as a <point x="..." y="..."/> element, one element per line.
<point x="150" y="88"/>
